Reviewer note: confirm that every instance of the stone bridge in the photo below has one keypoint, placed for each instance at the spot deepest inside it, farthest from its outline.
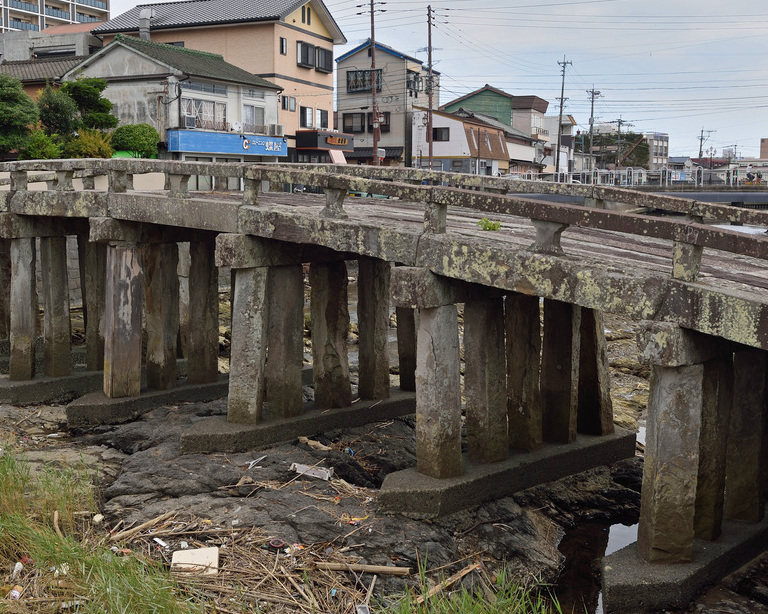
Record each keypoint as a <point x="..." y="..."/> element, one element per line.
<point x="535" y="378"/>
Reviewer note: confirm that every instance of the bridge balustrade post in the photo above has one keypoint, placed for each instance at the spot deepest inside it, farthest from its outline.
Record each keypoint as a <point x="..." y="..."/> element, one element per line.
<point x="202" y="336"/>
<point x="57" y="334"/>
<point x="523" y="337"/>
<point x="548" y="236"/>
<point x="435" y="215"/>
<point x="746" y="461"/>
<point x="19" y="181"/>
<point x="23" y="316"/>
<point x="92" y="260"/>
<point x="64" y="180"/>
<point x="684" y="471"/>
<point x="330" y="326"/>
<point x="334" y="204"/>
<point x="161" y="297"/>
<point x="686" y="260"/>
<point x="178" y="185"/>
<point x="373" y="325"/>
<point x="122" y="321"/>
<point x="560" y="370"/>
<point x="120" y="181"/>
<point x="484" y="380"/>
<point x="251" y="189"/>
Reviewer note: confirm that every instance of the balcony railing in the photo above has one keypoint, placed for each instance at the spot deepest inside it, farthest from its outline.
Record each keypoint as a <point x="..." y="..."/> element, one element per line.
<point x="22" y="25"/>
<point x="539" y="131"/>
<point x="94" y="3"/>
<point x="255" y="128"/>
<point x="56" y="13"/>
<point x="24" y="6"/>
<point x="86" y="18"/>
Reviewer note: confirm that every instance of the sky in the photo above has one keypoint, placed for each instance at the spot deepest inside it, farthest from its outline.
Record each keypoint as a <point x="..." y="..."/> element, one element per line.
<point x="676" y="66"/>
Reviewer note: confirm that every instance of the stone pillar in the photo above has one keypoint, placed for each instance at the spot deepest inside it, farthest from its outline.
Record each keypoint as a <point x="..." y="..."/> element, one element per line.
<point x="161" y="288"/>
<point x="57" y="333"/>
<point x="438" y="393"/>
<point x="747" y="446"/>
<point x="689" y="387"/>
<point x="122" y="321"/>
<point x="595" y="408"/>
<point x="23" y="315"/>
<point x="203" y="302"/>
<point x="5" y="285"/>
<point x="560" y="371"/>
<point x="485" y="380"/>
<point x="406" y="347"/>
<point x="285" y="356"/>
<point x="523" y="329"/>
<point x="184" y="275"/>
<point x="330" y="326"/>
<point x="93" y="271"/>
<point x="248" y="352"/>
<point x="373" y="325"/>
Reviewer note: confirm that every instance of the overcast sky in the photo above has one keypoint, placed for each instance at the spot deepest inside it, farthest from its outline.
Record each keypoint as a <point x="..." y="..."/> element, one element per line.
<point x="673" y="66"/>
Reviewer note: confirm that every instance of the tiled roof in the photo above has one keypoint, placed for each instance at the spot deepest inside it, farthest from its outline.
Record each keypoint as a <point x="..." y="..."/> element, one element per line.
<point x="192" y="62"/>
<point x="71" y="28"/>
<point x="200" y="12"/>
<point x="40" y="70"/>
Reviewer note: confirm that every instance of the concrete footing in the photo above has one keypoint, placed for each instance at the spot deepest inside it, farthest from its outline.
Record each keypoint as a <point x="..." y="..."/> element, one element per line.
<point x="419" y="496"/>
<point x="218" y="435"/>
<point x="96" y="408"/>
<point x="46" y="389"/>
<point x="631" y="584"/>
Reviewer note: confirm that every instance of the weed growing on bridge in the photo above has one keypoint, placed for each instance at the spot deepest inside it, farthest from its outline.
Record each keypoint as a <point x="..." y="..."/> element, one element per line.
<point x="486" y="224"/>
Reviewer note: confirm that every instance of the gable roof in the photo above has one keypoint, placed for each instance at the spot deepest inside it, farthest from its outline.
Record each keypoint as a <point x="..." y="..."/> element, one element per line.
<point x="492" y="121"/>
<point x="379" y="47"/>
<point x="518" y="102"/>
<point x="192" y="13"/>
<point x="40" y="70"/>
<point x="189" y="61"/>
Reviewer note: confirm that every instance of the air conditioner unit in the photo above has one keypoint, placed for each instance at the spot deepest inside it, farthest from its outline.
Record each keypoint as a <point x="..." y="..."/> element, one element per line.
<point x="275" y="129"/>
<point x="237" y="127"/>
<point x="189" y="121"/>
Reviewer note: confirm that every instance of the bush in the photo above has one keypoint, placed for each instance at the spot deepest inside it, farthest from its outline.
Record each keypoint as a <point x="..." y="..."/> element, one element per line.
<point x="58" y="112"/>
<point x="40" y="146"/>
<point x="89" y="144"/>
<point x="139" y="139"/>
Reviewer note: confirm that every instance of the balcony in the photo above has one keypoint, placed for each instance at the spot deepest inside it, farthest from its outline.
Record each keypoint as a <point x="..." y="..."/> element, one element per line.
<point x="82" y="18"/>
<point x="255" y="129"/>
<point x="24" y="6"/>
<point x="94" y="3"/>
<point x="22" y="25"/>
<point x="58" y="13"/>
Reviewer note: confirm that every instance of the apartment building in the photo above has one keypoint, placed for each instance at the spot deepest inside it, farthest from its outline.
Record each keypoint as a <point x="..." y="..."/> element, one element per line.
<point x="658" y="149"/>
<point x="288" y="42"/>
<point x="20" y="15"/>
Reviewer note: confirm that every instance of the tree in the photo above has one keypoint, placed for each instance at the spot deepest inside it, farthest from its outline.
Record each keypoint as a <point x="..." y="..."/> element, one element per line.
<point x="632" y="150"/>
<point x="139" y="139"/>
<point x="58" y="112"/>
<point x="18" y="114"/>
<point x="40" y="146"/>
<point x="94" y="108"/>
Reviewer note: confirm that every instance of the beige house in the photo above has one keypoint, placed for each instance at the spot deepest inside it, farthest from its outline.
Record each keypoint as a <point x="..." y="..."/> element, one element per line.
<point x="288" y="42"/>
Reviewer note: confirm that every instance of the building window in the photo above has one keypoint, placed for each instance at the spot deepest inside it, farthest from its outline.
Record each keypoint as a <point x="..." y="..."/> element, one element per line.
<point x="198" y="86"/>
<point x="204" y="114"/>
<point x="306" y="15"/>
<point x="253" y="119"/>
<point x="324" y="59"/>
<point x="383" y="121"/>
<point x="253" y="93"/>
<point x="284" y="102"/>
<point x="305" y="117"/>
<point x="360" y="80"/>
<point x="353" y="122"/>
<point x="305" y="54"/>
<point x="292" y="104"/>
<point x="321" y="119"/>
<point x="441" y="134"/>
<point x="283" y="46"/>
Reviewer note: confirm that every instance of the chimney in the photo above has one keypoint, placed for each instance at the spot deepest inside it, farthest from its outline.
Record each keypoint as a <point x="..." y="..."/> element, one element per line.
<point x="145" y="16"/>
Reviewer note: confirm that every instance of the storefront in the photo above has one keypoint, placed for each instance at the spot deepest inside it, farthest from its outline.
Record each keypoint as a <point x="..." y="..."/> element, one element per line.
<point x="322" y="146"/>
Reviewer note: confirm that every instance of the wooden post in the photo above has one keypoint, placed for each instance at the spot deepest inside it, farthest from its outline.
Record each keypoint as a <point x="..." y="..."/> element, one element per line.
<point x="595" y="411"/>
<point x="373" y="326"/>
<point x="406" y="347"/>
<point x="57" y="333"/>
<point x="203" y="331"/>
<point x="122" y="322"/>
<point x="93" y="272"/>
<point x="23" y="309"/>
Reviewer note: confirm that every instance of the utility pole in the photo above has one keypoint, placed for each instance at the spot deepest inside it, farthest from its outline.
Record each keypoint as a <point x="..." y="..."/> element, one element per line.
<point x="429" y="84"/>
<point x="374" y="107"/>
<point x="619" y="122"/>
<point x="564" y="64"/>
<point x="593" y="93"/>
<point x="702" y="140"/>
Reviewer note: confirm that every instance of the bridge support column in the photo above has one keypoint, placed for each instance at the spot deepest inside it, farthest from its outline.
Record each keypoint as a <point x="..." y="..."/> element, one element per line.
<point x="373" y="325"/>
<point x="5" y="283"/>
<point x="523" y="328"/>
<point x="406" y="347"/>
<point x="560" y="371"/>
<point x="122" y="321"/>
<point x="93" y="271"/>
<point x="595" y="413"/>
<point x="330" y="326"/>
<point x="684" y="472"/>
<point x="286" y="341"/>
<point x="23" y="309"/>
<point x="746" y="469"/>
<point x="57" y="339"/>
<point x="203" y="311"/>
<point x="161" y="288"/>
<point x="249" y="346"/>
<point x="484" y="380"/>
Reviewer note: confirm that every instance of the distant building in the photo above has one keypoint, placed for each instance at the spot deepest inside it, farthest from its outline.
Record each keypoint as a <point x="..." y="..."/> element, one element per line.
<point x="38" y="15"/>
<point x="658" y="149"/>
<point x="289" y="42"/>
<point x="764" y="149"/>
<point x="401" y="85"/>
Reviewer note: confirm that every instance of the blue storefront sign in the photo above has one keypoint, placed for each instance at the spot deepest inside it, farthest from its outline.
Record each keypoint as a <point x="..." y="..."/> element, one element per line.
<point x="198" y="141"/>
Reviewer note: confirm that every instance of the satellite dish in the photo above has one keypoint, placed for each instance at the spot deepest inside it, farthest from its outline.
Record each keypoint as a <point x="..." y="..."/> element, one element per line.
<point x="236" y="126"/>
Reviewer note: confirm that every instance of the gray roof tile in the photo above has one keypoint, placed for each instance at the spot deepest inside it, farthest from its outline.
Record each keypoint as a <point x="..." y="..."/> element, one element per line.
<point x="40" y="70"/>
